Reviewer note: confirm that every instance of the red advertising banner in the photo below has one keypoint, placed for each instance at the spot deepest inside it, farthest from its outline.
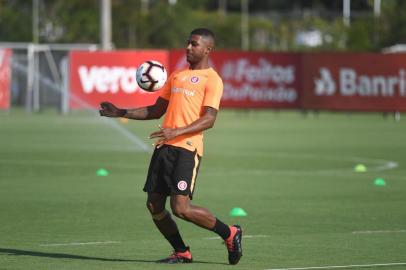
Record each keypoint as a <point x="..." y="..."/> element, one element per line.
<point x="354" y="81"/>
<point x="5" y="78"/>
<point x="110" y="76"/>
<point x="330" y="81"/>
<point x="253" y="79"/>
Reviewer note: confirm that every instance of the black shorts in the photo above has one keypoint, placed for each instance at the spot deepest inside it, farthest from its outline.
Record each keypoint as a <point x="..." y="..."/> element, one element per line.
<point x="172" y="171"/>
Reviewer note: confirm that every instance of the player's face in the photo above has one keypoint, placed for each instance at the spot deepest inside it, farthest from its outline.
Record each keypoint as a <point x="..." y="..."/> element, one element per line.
<point x="196" y="49"/>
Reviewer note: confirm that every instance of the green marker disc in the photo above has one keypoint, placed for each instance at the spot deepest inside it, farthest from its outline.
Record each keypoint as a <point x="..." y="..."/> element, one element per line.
<point x="238" y="212"/>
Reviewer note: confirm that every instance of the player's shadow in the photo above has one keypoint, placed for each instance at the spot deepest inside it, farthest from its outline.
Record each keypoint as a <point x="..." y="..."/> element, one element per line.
<point x="19" y="252"/>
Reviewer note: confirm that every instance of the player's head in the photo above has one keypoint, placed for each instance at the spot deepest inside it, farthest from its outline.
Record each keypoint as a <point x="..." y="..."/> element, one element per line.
<point x="199" y="45"/>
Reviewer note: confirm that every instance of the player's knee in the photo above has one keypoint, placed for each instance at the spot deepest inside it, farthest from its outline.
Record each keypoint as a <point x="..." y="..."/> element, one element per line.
<point x="150" y="207"/>
<point x="180" y="211"/>
<point x="154" y="208"/>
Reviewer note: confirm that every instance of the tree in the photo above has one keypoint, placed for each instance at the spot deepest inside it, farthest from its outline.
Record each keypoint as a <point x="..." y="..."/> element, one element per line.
<point x="15" y="21"/>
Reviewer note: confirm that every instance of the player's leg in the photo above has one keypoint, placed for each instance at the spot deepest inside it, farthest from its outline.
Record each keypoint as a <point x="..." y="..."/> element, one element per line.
<point x="182" y="185"/>
<point x="182" y="208"/>
<point x="164" y="222"/>
<point x="157" y="189"/>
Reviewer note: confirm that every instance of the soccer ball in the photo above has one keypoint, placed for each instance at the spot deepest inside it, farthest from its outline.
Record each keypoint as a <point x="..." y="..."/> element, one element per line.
<point x="151" y="75"/>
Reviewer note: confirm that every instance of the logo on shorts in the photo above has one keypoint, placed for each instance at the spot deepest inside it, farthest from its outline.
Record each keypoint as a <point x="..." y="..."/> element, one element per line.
<point x="182" y="185"/>
<point x="194" y="79"/>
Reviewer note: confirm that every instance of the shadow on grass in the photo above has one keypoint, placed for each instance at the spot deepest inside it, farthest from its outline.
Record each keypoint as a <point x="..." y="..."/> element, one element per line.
<point x="19" y="252"/>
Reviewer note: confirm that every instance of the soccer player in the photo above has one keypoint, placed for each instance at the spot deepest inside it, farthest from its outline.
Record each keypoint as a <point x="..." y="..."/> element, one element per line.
<point x="190" y="100"/>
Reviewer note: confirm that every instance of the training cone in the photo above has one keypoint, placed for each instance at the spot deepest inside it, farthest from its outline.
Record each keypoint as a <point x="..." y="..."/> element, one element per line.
<point x="102" y="172"/>
<point x="360" y="168"/>
<point x="238" y="212"/>
<point x="380" y="182"/>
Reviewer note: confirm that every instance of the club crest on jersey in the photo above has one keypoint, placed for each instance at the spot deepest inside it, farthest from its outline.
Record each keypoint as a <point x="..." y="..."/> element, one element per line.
<point x="194" y="79"/>
<point x="182" y="185"/>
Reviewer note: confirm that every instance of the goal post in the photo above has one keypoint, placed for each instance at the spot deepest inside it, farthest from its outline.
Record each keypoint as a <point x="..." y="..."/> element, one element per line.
<point x="40" y="74"/>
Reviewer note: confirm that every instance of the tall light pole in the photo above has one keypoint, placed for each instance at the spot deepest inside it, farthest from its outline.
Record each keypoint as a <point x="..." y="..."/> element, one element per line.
<point x="222" y="8"/>
<point x="35" y="21"/>
<point x="245" y="36"/>
<point x="377" y="8"/>
<point x="346" y="12"/>
<point x="105" y="25"/>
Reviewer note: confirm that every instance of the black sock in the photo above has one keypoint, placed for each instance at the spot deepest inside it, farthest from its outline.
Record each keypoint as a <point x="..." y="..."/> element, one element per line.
<point x="176" y="242"/>
<point x="221" y="229"/>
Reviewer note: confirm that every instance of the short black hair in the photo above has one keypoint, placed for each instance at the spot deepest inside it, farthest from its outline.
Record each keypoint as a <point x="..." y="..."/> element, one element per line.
<point x="203" y="32"/>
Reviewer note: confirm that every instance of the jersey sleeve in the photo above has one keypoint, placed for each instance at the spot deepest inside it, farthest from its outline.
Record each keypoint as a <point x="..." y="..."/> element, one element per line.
<point x="213" y="92"/>
<point x="166" y="89"/>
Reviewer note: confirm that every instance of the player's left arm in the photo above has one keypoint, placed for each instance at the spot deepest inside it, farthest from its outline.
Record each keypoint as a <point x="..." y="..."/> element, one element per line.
<point x="206" y="121"/>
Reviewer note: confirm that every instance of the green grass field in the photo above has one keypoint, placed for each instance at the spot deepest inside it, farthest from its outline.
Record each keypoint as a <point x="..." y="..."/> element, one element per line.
<point x="292" y="174"/>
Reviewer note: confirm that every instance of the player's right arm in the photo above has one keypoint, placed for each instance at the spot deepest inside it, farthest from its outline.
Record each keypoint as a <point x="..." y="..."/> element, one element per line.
<point x="145" y="113"/>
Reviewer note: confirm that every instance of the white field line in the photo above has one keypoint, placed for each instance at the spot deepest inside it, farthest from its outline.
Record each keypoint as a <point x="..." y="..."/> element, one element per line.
<point x="129" y="135"/>
<point x="80" y="244"/>
<point x="377" y="232"/>
<point x="244" y="236"/>
<point x="341" y="266"/>
<point x="47" y="162"/>
<point x="377" y="164"/>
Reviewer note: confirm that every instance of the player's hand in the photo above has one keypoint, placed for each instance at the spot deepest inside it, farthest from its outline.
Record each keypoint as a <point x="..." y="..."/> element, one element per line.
<point x="163" y="135"/>
<point x="108" y="109"/>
